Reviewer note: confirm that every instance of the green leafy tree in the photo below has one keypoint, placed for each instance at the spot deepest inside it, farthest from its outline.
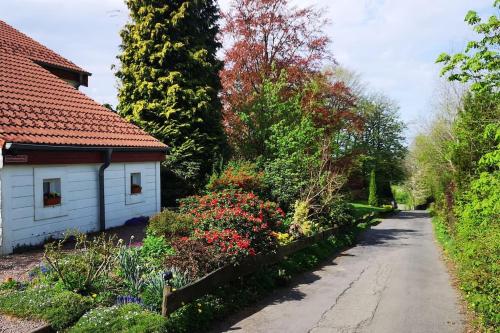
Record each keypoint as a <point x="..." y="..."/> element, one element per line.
<point x="381" y="143"/>
<point x="372" y="196"/>
<point x="480" y="62"/>
<point x="169" y="81"/>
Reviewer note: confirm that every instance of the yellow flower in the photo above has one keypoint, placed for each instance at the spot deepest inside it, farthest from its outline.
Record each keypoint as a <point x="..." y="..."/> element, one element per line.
<point x="199" y="310"/>
<point x="94" y="295"/>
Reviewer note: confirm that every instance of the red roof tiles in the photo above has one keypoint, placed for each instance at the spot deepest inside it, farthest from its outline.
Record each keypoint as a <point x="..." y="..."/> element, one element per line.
<point x="37" y="107"/>
<point x="27" y="47"/>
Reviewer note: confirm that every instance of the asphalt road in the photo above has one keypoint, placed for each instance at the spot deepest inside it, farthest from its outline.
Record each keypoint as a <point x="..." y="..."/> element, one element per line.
<point x="392" y="281"/>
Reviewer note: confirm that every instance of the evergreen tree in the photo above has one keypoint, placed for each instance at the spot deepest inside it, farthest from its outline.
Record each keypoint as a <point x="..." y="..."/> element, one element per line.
<point x="372" y="197"/>
<point x="169" y="81"/>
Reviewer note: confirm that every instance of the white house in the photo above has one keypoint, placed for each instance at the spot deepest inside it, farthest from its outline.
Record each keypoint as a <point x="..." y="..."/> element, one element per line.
<point x="66" y="162"/>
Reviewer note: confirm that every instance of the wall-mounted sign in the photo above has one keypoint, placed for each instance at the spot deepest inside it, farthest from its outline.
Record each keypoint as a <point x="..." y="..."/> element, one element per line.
<point x="16" y="158"/>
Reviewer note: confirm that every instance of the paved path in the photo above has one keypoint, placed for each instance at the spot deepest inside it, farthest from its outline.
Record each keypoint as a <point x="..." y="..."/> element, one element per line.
<point x="392" y="282"/>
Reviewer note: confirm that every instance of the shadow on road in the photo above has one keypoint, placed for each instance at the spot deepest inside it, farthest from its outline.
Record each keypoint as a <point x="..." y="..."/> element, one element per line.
<point x="373" y="237"/>
<point x="413" y="214"/>
<point x="386" y="237"/>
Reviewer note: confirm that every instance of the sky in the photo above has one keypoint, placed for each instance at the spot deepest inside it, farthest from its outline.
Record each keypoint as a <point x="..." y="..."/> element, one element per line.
<point x="392" y="44"/>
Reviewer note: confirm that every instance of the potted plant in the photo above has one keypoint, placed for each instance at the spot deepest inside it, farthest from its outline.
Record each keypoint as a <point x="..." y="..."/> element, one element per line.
<point x="136" y="189"/>
<point x="51" y="199"/>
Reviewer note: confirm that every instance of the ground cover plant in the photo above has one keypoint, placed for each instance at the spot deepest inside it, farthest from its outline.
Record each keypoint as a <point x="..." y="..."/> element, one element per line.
<point x="60" y="308"/>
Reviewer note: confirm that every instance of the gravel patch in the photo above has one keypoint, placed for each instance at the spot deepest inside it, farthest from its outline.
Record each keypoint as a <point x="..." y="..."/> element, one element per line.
<point x="15" y="325"/>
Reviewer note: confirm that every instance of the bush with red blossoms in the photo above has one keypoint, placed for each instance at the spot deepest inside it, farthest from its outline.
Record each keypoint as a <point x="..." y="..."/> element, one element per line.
<point x="240" y="212"/>
<point x="227" y="242"/>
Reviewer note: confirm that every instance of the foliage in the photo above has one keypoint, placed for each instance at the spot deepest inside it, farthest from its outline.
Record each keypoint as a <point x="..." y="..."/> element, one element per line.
<point x="372" y="197"/>
<point x="294" y="154"/>
<point x="169" y="81"/>
<point x="250" y="217"/>
<point x="458" y="161"/>
<point x="127" y="318"/>
<point x="266" y="38"/>
<point x="152" y="295"/>
<point x="301" y="225"/>
<point x="283" y="238"/>
<point x="154" y="249"/>
<point x="381" y="143"/>
<point x="133" y="269"/>
<point x="480" y="62"/>
<point x="194" y="257"/>
<point x="170" y="224"/>
<point x="86" y="269"/>
<point x="238" y="175"/>
<point x="339" y="212"/>
<point x="477" y="245"/>
<point x="60" y="308"/>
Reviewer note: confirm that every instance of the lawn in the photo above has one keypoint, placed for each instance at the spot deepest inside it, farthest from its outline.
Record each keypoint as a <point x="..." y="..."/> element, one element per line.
<point x="361" y="209"/>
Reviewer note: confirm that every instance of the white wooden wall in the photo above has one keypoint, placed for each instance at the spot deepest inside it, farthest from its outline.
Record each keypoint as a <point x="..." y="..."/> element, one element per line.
<point x="79" y="200"/>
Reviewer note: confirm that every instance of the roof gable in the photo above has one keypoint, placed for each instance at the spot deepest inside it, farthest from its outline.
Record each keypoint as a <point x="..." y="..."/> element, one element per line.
<point x="37" y="107"/>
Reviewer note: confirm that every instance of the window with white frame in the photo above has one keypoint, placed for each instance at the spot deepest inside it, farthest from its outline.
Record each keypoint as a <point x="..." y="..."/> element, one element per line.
<point x="135" y="183"/>
<point x="51" y="192"/>
<point x="51" y="199"/>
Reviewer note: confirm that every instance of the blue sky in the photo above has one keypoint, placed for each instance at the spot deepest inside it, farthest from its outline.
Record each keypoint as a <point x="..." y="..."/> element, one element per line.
<point x="392" y="43"/>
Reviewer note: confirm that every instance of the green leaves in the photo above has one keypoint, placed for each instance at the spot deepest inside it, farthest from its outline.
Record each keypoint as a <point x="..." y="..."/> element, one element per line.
<point x="480" y="63"/>
<point x="169" y="82"/>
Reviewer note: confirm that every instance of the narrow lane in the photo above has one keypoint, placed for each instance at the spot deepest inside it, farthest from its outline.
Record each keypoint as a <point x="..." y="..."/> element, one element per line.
<point x="392" y="281"/>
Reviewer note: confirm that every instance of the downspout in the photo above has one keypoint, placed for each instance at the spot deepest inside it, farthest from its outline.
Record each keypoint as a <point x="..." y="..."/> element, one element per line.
<point x="1" y="197"/>
<point x="102" y="203"/>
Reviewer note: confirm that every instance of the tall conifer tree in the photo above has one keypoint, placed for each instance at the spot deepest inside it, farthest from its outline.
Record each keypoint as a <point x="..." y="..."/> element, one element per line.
<point x="169" y="81"/>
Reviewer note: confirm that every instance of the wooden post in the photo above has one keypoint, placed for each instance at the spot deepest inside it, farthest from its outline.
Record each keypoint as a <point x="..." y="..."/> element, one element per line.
<point x="166" y="291"/>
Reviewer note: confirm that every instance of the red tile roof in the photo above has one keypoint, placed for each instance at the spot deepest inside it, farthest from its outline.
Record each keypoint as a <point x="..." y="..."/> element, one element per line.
<point x="36" y="107"/>
<point x="25" y="46"/>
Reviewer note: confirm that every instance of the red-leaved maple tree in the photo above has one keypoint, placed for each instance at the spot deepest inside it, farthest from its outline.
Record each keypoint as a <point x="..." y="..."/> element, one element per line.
<point x="265" y="38"/>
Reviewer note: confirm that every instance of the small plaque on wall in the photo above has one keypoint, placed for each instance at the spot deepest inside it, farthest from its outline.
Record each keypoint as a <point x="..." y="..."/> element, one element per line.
<point x="16" y="158"/>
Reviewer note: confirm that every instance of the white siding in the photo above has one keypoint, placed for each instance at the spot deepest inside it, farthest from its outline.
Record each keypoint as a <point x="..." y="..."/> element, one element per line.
<point x="80" y="200"/>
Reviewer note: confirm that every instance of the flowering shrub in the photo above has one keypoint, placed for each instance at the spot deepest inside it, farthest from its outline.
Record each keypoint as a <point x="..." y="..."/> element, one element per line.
<point x="243" y="213"/>
<point x="228" y="242"/>
<point x="239" y="175"/>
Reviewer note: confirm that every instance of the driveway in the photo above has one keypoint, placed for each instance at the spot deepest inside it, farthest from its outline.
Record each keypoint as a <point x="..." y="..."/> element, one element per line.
<point x="393" y="281"/>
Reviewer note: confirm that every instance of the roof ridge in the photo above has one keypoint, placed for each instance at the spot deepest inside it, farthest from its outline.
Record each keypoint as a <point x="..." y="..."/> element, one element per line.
<point x="52" y="58"/>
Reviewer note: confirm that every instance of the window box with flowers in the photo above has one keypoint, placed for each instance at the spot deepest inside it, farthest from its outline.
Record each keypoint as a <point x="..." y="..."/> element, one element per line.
<point x="51" y="199"/>
<point x="135" y="189"/>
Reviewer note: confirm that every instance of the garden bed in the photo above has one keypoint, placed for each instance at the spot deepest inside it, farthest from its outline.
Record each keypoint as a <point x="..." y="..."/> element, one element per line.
<point x="221" y="251"/>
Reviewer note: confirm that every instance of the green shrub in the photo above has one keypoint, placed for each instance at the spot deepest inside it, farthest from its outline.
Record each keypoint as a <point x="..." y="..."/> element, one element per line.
<point x="170" y="224"/>
<point x="154" y="250"/>
<point x="477" y="246"/>
<point x="238" y="175"/>
<point x="372" y="195"/>
<point x="131" y="318"/>
<point x="60" y="308"/>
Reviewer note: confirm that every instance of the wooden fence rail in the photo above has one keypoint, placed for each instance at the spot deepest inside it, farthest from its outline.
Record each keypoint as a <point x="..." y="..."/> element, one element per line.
<point x="172" y="300"/>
